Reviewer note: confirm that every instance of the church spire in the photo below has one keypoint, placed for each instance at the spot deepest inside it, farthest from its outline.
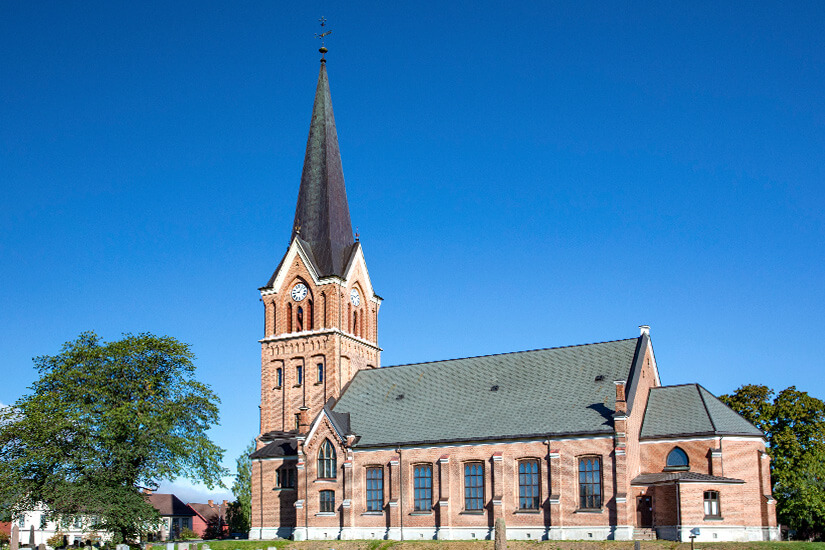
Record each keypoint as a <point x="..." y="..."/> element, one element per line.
<point x="322" y="215"/>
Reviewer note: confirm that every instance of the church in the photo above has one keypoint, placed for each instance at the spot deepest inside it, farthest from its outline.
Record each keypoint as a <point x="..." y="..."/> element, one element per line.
<point x="576" y="442"/>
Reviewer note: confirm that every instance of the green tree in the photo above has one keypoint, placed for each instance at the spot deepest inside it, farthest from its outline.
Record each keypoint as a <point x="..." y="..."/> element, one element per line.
<point x="240" y="511"/>
<point x="794" y="424"/>
<point x="104" y="422"/>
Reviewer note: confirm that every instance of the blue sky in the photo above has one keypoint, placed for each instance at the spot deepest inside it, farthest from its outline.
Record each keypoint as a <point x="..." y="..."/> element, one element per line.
<point x="523" y="176"/>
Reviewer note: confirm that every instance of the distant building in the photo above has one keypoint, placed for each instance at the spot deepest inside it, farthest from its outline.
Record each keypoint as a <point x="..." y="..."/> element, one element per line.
<point x="578" y="442"/>
<point x="210" y="519"/>
<point x="175" y="515"/>
<point x="76" y="530"/>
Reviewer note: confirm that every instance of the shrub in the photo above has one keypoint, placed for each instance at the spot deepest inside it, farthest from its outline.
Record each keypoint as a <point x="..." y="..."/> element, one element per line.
<point x="56" y="540"/>
<point x="4" y="539"/>
<point x="188" y="534"/>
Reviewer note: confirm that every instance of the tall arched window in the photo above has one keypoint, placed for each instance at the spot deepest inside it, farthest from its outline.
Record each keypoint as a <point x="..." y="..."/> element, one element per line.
<point x="300" y="319"/>
<point x="677" y="459"/>
<point x="289" y="317"/>
<point x="326" y="461"/>
<point x="274" y="318"/>
<point x="355" y="323"/>
<point x="310" y="315"/>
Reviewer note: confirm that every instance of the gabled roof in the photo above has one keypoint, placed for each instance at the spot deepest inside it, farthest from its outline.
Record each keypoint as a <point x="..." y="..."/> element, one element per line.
<point x="169" y="505"/>
<point x="322" y="214"/>
<point x="524" y="394"/>
<point x="207" y="512"/>
<point x="690" y="409"/>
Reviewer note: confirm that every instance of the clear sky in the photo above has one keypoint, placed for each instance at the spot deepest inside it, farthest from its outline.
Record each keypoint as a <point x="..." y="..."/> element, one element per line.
<point x="523" y="175"/>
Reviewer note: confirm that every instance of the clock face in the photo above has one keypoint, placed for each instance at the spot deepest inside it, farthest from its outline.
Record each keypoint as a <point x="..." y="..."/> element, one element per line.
<point x="354" y="297"/>
<point x="299" y="292"/>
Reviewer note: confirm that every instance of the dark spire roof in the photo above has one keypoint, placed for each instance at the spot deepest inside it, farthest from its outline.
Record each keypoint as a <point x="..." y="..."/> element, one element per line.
<point x="322" y="215"/>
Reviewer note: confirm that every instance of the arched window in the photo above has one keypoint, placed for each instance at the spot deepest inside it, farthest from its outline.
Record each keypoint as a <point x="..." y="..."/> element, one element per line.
<point x="326" y="461"/>
<point x="320" y="372"/>
<point x="289" y="317"/>
<point x="310" y="315"/>
<point x="355" y="323"/>
<point x="677" y="459"/>
<point x="279" y="377"/>
<point x="300" y="319"/>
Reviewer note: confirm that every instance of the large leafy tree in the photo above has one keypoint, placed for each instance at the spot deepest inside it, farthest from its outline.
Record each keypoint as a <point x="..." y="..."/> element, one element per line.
<point x="240" y="511"/>
<point x="104" y="422"/>
<point x="794" y="424"/>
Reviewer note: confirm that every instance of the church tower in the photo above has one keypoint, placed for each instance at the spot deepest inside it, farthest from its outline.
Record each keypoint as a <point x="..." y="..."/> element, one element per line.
<point x="319" y="306"/>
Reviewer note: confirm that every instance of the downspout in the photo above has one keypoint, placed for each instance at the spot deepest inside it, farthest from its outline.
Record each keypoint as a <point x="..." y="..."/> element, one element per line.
<point x="400" y="492"/>
<point x="678" y="511"/>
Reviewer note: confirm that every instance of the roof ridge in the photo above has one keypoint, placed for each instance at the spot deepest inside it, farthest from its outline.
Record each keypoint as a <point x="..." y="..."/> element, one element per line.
<point x="498" y="354"/>
<point x="705" y="405"/>
<point x="674" y="386"/>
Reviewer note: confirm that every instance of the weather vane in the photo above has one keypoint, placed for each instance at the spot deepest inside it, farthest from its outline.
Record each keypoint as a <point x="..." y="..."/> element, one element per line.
<point x="321" y="37"/>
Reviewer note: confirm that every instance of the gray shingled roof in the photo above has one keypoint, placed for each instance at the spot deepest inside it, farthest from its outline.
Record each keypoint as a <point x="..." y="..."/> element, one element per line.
<point x="647" y="479"/>
<point x="690" y="409"/>
<point x="529" y="393"/>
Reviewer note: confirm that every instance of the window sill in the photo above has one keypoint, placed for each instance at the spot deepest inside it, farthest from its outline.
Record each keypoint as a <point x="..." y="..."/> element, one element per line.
<point x="317" y="383"/>
<point x="713" y="518"/>
<point x="472" y="513"/>
<point x="421" y="513"/>
<point x="379" y="514"/>
<point x="297" y="385"/>
<point x="326" y="480"/>
<point x="277" y="388"/>
<point x="283" y="489"/>
<point x="676" y="468"/>
<point x="325" y="515"/>
<point x="588" y="511"/>
<point x="530" y="511"/>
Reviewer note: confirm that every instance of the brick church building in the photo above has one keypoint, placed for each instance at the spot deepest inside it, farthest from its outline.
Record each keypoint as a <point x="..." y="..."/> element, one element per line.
<point x="576" y="442"/>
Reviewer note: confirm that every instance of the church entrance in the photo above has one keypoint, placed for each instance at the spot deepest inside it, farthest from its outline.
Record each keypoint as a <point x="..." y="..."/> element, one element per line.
<point x="644" y="511"/>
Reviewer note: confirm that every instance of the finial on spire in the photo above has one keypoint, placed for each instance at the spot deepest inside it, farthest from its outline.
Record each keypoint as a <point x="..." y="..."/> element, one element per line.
<point x="357" y="234"/>
<point x="297" y="228"/>
<point x="321" y="37"/>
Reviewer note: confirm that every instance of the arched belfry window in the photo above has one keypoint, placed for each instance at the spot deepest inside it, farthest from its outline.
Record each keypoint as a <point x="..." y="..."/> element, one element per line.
<point x="355" y="323"/>
<point x="310" y="315"/>
<point x="677" y="459"/>
<point x="289" y="317"/>
<point x="300" y="319"/>
<point x="326" y="461"/>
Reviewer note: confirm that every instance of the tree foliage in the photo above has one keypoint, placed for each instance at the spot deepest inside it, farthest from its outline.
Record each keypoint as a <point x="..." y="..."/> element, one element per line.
<point x="794" y="424"/>
<point x="240" y="511"/>
<point x="103" y="422"/>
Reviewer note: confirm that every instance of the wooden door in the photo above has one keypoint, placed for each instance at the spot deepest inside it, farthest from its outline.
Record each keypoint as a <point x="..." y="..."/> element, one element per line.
<point x="644" y="511"/>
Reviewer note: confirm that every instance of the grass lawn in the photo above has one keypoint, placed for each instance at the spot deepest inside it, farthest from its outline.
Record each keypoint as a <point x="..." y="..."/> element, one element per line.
<point x="488" y="545"/>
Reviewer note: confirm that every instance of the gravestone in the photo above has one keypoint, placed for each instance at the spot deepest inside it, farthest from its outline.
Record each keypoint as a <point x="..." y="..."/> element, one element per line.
<point x="15" y="538"/>
<point x="41" y="546"/>
<point x="170" y="546"/>
<point x="501" y="535"/>
<point x="183" y="546"/>
<point x="204" y="546"/>
<point x="31" y="536"/>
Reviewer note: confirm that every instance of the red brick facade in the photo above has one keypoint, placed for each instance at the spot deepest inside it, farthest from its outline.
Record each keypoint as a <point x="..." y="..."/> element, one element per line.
<point x="746" y="509"/>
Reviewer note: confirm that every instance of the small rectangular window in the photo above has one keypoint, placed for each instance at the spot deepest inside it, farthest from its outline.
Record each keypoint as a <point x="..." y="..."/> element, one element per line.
<point x="712" y="504"/>
<point x="279" y="377"/>
<point x="474" y="486"/>
<point x="423" y="487"/>
<point x="590" y="482"/>
<point x="375" y="489"/>
<point x="297" y="422"/>
<point x="300" y="374"/>
<point x="327" y="501"/>
<point x="285" y="478"/>
<point x="320" y="372"/>
<point x="528" y="485"/>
